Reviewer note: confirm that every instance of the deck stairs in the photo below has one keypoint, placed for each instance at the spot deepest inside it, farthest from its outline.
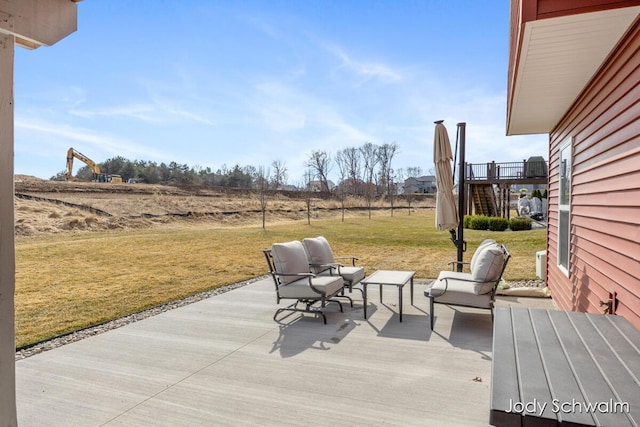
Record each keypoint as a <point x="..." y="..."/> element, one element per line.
<point x="484" y="200"/>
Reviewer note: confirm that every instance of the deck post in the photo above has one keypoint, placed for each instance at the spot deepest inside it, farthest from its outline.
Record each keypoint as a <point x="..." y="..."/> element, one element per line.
<point x="29" y="24"/>
<point x="7" y="249"/>
<point x="461" y="194"/>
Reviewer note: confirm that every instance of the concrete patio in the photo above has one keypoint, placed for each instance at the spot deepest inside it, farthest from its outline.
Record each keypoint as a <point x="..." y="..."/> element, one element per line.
<point x="224" y="361"/>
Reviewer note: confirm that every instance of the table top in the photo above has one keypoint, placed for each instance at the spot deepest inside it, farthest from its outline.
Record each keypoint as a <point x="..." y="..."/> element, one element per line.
<point x="562" y="367"/>
<point x="388" y="277"/>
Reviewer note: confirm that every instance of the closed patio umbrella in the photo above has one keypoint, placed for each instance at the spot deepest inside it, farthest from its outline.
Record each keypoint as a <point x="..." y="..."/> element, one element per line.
<point x="446" y="211"/>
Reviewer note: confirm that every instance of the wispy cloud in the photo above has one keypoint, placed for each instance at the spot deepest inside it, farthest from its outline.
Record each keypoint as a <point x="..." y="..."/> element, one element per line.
<point x="339" y="131"/>
<point x="141" y="112"/>
<point x="366" y="70"/>
<point x="280" y="107"/>
<point x="484" y="114"/>
<point x="68" y="135"/>
<point x="157" y="112"/>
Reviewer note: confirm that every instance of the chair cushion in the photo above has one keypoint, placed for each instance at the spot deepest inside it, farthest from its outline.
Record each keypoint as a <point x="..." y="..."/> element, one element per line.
<point x="318" y="251"/>
<point x="458" y="292"/>
<point x="299" y="289"/>
<point x="289" y="257"/>
<point x="476" y="254"/>
<point x="488" y="268"/>
<point x="438" y="287"/>
<point x="350" y="274"/>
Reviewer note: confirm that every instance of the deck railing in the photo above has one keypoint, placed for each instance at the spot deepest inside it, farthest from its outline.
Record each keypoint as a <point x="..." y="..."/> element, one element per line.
<point x="526" y="169"/>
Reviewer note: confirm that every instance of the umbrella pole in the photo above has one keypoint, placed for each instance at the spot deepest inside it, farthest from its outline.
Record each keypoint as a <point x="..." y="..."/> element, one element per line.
<point x="461" y="244"/>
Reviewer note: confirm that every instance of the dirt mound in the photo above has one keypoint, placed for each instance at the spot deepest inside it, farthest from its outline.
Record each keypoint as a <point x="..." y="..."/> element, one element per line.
<point x="27" y="178"/>
<point x="32" y="184"/>
<point x="36" y="217"/>
<point x="73" y="207"/>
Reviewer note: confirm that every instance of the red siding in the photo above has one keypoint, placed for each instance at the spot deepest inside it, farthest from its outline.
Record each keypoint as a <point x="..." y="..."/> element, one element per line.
<point x="604" y="125"/>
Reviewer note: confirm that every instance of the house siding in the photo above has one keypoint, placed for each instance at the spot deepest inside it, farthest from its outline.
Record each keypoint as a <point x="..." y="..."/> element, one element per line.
<point x="604" y="128"/>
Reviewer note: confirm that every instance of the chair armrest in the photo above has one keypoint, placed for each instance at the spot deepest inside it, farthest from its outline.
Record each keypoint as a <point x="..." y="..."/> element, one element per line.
<point x="302" y="275"/>
<point x="446" y="285"/>
<point x="456" y="263"/>
<point x="352" y="258"/>
<point x="461" y="279"/>
<point x="471" y="281"/>
<point x="330" y="267"/>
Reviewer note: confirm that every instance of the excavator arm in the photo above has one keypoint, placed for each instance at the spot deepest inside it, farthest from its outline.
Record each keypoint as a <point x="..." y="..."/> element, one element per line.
<point x="71" y="153"/>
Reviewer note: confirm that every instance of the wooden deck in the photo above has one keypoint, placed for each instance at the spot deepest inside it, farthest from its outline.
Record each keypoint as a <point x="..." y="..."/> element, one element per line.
<point x="508" y="173"/>
<point x="564" y="368"/>
<point x="480" y="179"/>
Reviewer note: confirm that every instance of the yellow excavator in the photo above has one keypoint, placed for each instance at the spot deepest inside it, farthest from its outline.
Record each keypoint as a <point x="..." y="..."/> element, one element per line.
<point x="97" y="175"/>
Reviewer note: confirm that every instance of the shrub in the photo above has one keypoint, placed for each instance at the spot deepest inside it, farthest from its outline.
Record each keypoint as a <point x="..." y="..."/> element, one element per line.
<point x="478" y="222"/>
<point x="482" y="222"/>
<point x="497" y="223"/>
<point x="517" y="224"/>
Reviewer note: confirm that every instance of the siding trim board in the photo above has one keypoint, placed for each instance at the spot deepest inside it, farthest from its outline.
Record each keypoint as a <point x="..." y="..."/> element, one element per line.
<point x="604" y="124"/>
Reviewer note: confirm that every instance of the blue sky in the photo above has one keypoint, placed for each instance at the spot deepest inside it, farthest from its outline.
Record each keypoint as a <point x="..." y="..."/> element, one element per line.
<point x="207" y="83"/>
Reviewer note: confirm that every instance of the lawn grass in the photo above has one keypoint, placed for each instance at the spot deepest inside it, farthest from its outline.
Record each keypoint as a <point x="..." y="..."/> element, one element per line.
<point x="68" y="282"/>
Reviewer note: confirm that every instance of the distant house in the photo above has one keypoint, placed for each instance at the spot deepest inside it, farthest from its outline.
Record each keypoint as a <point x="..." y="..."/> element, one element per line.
<point x="316" y="186"/>
<point x="423" y="184"/>
<point x="573" y="74"/>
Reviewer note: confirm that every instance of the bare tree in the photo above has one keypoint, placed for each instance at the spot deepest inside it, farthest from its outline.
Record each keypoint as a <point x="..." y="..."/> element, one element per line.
<point x="411" y="172"/>
<point x="262" y="182"/>
<point x="400" y="179"/>
<point x="308" y="176"/>
<point x="279" y="177"/>
<point x="343" y="166"/>
<point x="319" y="163"/>
<point x="414" y="172"/>
<point x="353" y="159"/>
<point x="385" y="154"/>
<point x="369" y="155"/>
<point x="392" y="189"/>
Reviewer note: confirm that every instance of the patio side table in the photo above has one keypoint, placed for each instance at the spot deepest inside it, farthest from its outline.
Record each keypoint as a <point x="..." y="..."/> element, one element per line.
<point x="388" y="278"/>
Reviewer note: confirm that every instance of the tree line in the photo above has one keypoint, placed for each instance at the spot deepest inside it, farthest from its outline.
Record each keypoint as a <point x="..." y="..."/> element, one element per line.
<point x="365" y="170"/>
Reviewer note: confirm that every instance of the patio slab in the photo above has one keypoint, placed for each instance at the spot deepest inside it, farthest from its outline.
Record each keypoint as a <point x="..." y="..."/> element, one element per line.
<point x="224" y="361"/>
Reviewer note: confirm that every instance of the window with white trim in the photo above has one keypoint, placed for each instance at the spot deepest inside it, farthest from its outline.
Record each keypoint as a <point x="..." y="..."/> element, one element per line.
<point x="564" y="208"/>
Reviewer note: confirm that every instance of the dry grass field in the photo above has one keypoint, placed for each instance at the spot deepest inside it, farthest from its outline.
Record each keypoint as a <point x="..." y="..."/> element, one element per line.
<point x="88" y="253"/>
<point x="46" y="207"/>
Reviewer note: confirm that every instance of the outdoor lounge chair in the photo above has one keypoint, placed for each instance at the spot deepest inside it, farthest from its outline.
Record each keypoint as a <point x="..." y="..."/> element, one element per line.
<point x="289" y="268"/>
<point x="475" y="289"/>
<point x="322" y="262"/>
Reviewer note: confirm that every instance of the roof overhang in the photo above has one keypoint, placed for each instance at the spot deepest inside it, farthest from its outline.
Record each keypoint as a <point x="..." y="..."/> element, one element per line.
<point x="37" y="23"/>
<point x="554" y="53"/>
